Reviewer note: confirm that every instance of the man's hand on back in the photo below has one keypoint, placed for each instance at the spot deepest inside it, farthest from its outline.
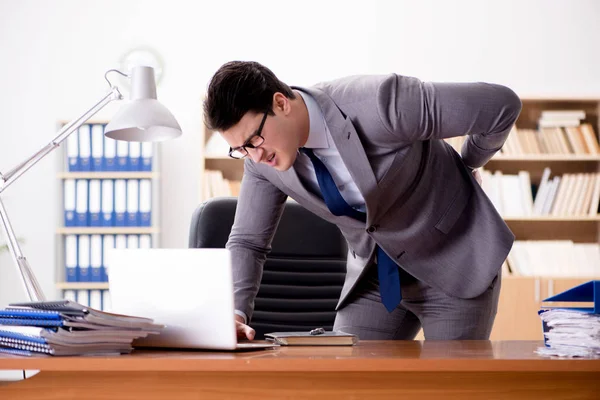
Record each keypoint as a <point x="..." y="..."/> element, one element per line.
<point x="243" y="330"/>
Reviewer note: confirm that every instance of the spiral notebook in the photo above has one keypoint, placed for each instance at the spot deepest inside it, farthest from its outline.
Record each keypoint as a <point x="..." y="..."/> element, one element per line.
<point x="76" y="315"/>
<point x="66" y="328"/>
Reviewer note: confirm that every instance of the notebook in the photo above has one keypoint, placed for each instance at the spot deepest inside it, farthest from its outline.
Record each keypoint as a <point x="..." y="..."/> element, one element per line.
<point x="327" y="338"/>
<point x="190" y="291"/>
<point x="66" y="328"/>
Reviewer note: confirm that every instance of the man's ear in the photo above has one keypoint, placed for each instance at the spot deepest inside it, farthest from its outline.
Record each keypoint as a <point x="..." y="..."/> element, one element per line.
<point x="281" y="103"/>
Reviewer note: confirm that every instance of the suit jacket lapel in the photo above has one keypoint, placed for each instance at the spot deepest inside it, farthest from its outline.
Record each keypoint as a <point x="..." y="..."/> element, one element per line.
<point x="350" y="148"/>
<point x="297" y="190"/>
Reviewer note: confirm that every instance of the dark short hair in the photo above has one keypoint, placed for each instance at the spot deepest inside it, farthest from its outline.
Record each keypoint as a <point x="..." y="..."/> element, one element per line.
<point x="238" y="87"/>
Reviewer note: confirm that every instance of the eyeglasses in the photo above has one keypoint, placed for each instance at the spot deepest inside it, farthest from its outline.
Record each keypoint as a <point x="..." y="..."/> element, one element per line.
<point x="254" y="141"/>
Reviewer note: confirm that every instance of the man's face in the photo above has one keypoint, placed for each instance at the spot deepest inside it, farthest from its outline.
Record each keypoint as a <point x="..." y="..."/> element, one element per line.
<point x="280" y="145"/>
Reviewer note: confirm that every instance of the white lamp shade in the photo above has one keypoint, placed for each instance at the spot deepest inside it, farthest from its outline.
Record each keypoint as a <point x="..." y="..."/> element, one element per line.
<point x="144" y="120"/>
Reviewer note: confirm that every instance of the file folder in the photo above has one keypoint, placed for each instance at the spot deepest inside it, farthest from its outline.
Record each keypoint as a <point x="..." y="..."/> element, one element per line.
<point x="145" y="241"/>
<point x="84" y="258"/>
<point x="106" y="304"/>
<point x="135" y="154"/>
<point x="95" y="202"/>
<point x="133" y="197"/>
<point x="122" y="155"/>
<point x="85" y="148"/>
<point x="120" y="202"/>
<point x="108" y="243"/>
<point x="108" y="200"/>
<point x="96" y="258"/>
<point x="147" y="150"/>
<point x="69" y="202"/>
<point x="145" y="195"/>
<point x="69" y="294"/>
<point x="96" y="299"/>
<point x="97" y="135"/>
<point x="588" y="292"/>
<point x="109" y="157"/>
<point x="71" y="258"/>
<point x="81" y="208"/>
<point x="133" y="242"/>
<point x="73" y="153"/>
<point x="83" y="297"/>
<point x="120" y="241"/>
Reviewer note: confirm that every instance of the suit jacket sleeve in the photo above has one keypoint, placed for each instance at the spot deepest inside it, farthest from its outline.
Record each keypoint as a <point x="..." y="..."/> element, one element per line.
<point x="413" y="110"/>
<point x="259" y="208"/>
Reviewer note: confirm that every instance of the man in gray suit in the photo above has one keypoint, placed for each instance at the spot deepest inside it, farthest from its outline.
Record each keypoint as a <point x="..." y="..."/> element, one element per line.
<point x="366" y="153"/>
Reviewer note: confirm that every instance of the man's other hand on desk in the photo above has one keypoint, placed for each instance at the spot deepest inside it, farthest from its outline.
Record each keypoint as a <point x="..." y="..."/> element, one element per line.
<point x="243" y="330"/>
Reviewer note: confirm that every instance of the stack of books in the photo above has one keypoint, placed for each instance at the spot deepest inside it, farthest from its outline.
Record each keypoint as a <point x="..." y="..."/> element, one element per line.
<point x="573" y="331"/>
<point x="560" y="118"/>
<point x="66" y="328"/>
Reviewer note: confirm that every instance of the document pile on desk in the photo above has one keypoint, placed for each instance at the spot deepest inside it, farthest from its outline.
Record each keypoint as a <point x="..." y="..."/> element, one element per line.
<point x="571" y="333"/>
<point x="573" y="330"/>
<point x="66" y="328"/>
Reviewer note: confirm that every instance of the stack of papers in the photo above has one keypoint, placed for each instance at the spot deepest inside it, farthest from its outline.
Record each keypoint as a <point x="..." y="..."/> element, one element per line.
<point x="570" y="333"/>
<point x="66" y="328"/>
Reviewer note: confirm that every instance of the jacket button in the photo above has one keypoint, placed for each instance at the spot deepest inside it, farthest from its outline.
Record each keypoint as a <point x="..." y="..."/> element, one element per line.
<point x="371" y="229"/>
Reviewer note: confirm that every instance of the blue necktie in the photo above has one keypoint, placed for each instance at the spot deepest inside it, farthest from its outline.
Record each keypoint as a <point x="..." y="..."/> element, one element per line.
<point x="387" y="270"/>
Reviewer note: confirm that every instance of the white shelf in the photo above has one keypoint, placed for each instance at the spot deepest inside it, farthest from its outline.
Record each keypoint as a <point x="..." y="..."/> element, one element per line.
<point x="548" y="157"/>
<point x="554" y="278"/>
<point x="559" y="98"/>
<point x="81" y="285"/>
<point x="217" y="157"/>
<point x="91" y="230"/>
<point x="553" y="219"/>
<point x="108" y="175"/>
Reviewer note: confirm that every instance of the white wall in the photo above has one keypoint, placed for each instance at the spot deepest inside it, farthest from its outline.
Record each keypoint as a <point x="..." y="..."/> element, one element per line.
<point x="54" y="54"/>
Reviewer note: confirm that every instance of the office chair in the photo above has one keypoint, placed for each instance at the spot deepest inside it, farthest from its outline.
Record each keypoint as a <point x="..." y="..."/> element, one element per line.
<point x="303" y="275"/>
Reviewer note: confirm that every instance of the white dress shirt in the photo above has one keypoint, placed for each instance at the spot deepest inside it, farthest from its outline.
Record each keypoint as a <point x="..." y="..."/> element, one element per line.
<point x="321" y="142"/>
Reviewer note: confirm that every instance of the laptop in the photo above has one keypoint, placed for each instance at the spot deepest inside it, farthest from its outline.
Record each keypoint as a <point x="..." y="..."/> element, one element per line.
<point x="190" y="291"/>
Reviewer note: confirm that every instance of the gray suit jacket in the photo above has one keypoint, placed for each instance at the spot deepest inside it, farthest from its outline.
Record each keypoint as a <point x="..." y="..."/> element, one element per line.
<point x="424" y="208"/>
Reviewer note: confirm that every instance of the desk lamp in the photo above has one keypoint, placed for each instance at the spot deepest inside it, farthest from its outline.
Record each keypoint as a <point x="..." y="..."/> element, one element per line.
<point x="142" y="119"/>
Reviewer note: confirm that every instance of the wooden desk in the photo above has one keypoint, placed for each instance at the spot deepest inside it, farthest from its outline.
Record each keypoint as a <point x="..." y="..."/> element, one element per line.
<point x="370" y="370"/>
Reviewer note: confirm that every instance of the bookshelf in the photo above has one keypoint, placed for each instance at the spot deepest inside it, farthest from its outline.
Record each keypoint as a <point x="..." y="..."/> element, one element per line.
<point x="221" y="174"/>
<point x="521" y="295"/>
<point x="136" y="170"/>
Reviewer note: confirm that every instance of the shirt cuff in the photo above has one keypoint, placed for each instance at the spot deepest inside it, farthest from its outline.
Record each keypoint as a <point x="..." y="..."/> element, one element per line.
<point x="243" y="315"/>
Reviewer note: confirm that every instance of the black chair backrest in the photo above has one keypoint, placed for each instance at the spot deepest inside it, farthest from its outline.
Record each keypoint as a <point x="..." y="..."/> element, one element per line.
<point x="303" y="275"/>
